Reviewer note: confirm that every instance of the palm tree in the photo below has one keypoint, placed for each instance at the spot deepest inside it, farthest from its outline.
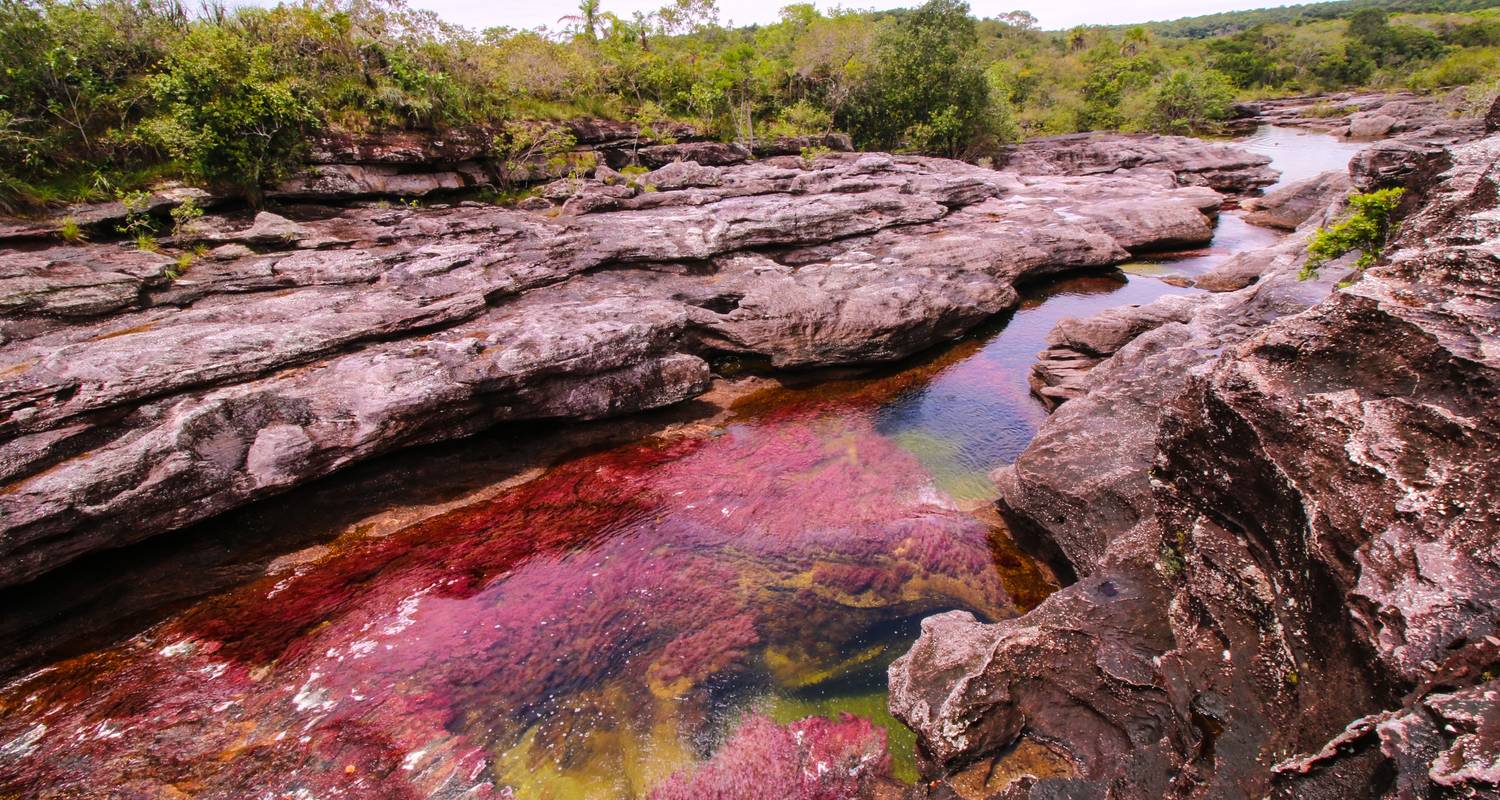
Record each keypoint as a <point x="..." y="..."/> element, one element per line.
<point x="586" y="21"/>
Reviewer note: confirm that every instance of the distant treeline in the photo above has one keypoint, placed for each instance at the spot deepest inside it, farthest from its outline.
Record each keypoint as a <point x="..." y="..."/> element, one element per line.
<point x="99" y="97"/>
<point x="1206" y="25"/>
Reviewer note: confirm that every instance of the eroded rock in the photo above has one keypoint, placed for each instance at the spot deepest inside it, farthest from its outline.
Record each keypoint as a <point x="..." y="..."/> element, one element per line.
<point x="1294" y="514"/>
<point x="316" y="337"/>
<point x="1289" y="206"/>
<point x="1191" y="161"/>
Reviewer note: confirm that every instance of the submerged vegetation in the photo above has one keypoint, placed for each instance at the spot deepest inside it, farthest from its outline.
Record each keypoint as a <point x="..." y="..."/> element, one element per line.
<point x="107" y="96"/>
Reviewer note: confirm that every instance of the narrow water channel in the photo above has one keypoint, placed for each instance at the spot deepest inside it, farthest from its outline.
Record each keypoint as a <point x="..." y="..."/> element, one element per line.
<point x="595" y="627"/>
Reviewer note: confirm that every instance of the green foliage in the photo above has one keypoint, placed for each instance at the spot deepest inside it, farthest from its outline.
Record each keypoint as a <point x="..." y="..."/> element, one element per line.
<point x="925" y="91"/>
<point x="1366" y="230"/>
<point x="802" y="118"/>
<point x="185" y="216"/>
<point x="138" y="223"/>
<point x="179" y="267"/>
<point x="108" y="95"/>
<point x="228" y="112"/>
<point x="70" y="231"/>
<point x="1190" y="101"/>
<point x="1209" y="25"/>
<point x="526" y="150"/>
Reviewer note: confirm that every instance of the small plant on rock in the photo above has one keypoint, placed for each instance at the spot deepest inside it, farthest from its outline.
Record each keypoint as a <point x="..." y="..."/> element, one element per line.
<point x="71" y="231"/>
<point x="185" y="217"/>
<point x="138" y="223"/>
<point x="1365" y="230"/>
<point x="523" y="148"/>
<point x="812" y="153"/>
<point x="179" y="267"/>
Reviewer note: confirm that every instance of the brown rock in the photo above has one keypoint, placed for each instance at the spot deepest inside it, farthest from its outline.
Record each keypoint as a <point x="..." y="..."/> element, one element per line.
<point x="1293" y="514"/>
<point x="1289" y="206"/>
<point x="1190" y="161"/>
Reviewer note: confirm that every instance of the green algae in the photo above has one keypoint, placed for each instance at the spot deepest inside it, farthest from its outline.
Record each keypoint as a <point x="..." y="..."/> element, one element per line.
<point x="900" y="741"/>
<point x="943" y="460"/>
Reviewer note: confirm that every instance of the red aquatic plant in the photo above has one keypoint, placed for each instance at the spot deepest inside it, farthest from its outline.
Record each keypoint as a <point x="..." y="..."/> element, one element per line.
<point x="811" y="759"/>
<point x="397" y="666"/>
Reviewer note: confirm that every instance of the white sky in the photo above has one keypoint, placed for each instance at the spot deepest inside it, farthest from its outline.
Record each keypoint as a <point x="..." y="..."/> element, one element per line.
<point x="1052" y="14"/>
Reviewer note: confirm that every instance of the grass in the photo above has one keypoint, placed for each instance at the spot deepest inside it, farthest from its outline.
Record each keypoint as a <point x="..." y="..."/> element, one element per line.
<point x="179" y="267"/>
<point x="70" y="231"/>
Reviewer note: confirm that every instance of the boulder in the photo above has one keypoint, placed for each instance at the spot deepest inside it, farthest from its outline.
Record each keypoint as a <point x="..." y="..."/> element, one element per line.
<point x="1191" y="162"/>
<point x="1403" y="163"/>
<point x="1372" y="125"/>
<point x="797" y="145"/>
<point x="715" y="154"/>
<point x="343" y="181"/>
<point x="1289" y="206"/>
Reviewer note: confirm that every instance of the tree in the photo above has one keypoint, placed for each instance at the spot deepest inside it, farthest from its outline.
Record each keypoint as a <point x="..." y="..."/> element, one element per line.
<point x="927" y="89"/>
<point x="835" y="56"/>
<point x="586" y="21"/>
<point x="1190" y="101"/>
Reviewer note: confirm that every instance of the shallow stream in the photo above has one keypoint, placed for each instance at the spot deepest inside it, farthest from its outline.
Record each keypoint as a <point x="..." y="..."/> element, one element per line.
<point x="588" y="629"/>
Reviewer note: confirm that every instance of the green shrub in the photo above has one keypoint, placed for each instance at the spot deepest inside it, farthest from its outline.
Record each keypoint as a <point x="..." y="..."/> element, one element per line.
<point x="185" y="216"/>
<point x="526" y="150"/>
<point x="138" y="223"/>
<point x="228" y="112"/>
<point x="1366" y="230"/>
<point x="71" y="231"/>
<point x="1190" y="101"/>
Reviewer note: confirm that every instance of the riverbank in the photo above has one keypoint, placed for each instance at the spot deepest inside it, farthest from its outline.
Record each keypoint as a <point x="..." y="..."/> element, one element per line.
<point x="792" y="538"/>
<point x="1284" y="572"/>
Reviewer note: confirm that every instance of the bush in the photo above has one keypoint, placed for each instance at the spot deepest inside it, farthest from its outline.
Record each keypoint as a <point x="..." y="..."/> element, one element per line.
<point x="926" y="90"/>
<point x="1366" y="230"/>
<point x="1190" y="101"/>
<point x="228" y="114"/>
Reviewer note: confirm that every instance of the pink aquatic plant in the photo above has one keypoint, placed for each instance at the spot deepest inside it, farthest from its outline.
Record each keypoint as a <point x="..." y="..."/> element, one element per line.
<point x="811" y="759"/>
<point x="619" y="586"/>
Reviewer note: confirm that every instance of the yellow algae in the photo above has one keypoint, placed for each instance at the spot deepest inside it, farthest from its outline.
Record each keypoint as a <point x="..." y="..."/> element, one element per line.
<point x="1025" y="758"/>
<point x="795" y="670"/>
<point x="617" y="758"/>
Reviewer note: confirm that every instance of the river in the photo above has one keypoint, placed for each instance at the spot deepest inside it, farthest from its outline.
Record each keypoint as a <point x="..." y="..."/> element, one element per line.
<point x="575" y="632"/>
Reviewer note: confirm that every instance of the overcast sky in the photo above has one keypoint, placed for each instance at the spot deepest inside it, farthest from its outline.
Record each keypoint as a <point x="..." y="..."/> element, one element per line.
<point x="1052" y="14"/>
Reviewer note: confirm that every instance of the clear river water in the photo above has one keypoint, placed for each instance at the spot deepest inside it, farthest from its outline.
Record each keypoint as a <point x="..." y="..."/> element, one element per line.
<point x="579" y="631"/>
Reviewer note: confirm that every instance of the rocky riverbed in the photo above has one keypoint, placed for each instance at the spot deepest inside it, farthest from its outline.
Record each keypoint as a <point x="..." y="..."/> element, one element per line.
<point x="1278" y="503"/>
<point x="317" y="336"/>
<point x="1266" y="499"/>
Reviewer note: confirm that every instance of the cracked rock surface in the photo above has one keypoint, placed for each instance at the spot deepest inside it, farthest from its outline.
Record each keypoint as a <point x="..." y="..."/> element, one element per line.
<point x="311" y="337"/>
<point x="1280" y="503"/>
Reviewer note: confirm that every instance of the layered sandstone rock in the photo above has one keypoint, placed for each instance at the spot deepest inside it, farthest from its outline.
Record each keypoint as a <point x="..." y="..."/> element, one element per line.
<point x="1284" y="526"/>
<point x="315" y="337"/>
<point x="1368" y="115"/>
<point x="1192" y="161"/>
<point x="1287" y="207"/>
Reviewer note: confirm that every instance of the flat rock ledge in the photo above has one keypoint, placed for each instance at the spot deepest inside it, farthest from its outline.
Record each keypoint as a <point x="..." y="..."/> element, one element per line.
<point x="308" y="339"/>
<point x="1280" y="506"/>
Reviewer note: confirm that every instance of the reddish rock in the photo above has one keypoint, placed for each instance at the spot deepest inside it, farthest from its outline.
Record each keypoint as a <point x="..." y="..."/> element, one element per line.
<point x="1192" y="162"/>
<point x="1287" y="207"/>
<point x="1285" y="526"/>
